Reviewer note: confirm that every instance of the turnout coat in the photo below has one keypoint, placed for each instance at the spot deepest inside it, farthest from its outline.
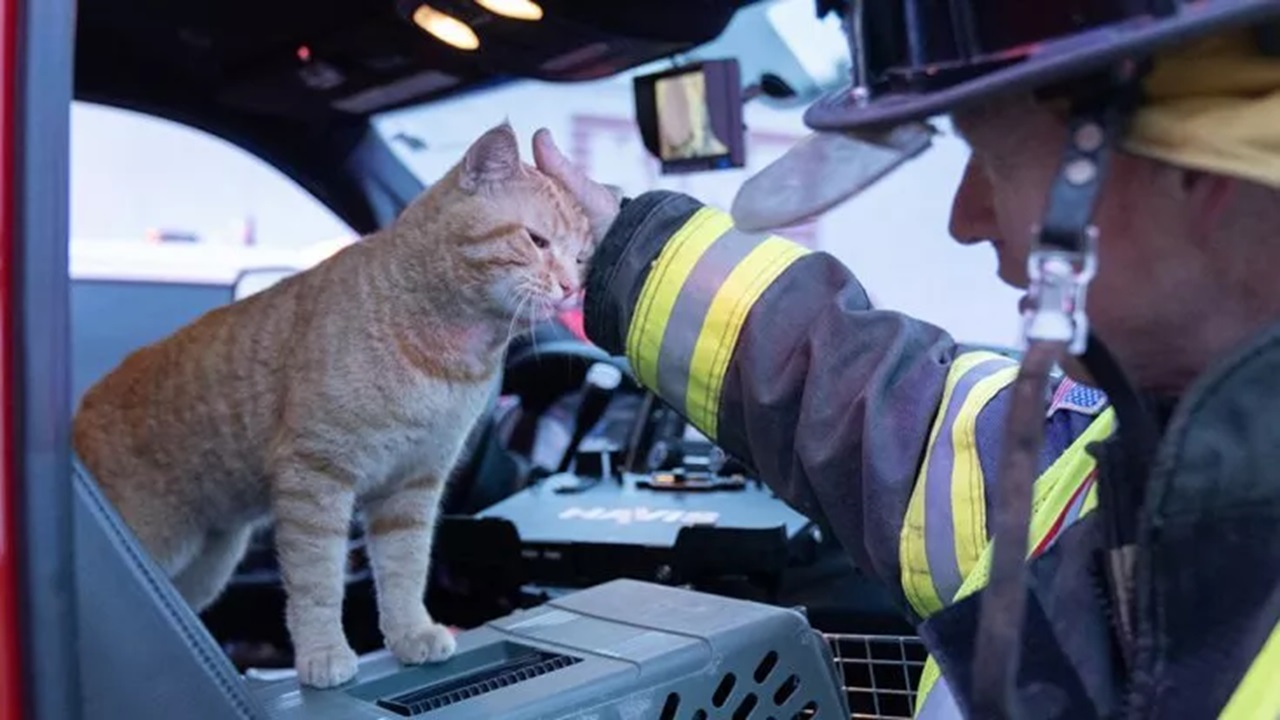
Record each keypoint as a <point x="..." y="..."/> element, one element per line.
<point x="885" y="430"/>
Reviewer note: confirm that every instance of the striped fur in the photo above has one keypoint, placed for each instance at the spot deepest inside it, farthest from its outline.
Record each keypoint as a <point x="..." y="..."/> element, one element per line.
<point x="350" y="386"/>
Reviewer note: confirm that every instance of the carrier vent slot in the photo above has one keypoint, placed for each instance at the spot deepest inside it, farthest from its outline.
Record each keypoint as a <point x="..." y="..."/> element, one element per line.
<point x="526" y="666"/>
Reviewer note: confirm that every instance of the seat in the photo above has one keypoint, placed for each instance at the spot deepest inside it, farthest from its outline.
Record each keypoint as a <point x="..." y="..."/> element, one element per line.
<point x="143" y="653"/>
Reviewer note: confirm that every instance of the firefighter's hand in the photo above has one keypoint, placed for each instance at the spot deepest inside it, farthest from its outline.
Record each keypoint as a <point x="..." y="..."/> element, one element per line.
<point x="599" y="202"/>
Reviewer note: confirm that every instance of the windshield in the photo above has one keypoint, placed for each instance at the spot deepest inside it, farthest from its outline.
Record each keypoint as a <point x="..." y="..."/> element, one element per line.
<point x="893" y="236"/>
<point x="594" y="122"/>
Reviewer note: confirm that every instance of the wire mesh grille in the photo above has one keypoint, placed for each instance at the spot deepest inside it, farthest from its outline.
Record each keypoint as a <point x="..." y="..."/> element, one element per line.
<point x="880" y="673"/>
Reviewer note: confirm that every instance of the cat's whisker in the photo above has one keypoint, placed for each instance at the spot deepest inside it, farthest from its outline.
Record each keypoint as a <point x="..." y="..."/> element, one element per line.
<point x="515" y="316"/>
<point x="526" y="304"/>
<point x="511" y="330"/>
<point x="532" y="319"/>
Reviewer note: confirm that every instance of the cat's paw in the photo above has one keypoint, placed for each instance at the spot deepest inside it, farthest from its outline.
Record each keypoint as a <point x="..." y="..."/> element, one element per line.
<point x="426" y="643"/>
<point x="326" y="667"/>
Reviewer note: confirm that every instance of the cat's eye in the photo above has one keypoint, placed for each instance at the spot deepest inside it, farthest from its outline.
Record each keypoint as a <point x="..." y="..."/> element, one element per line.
<point x="540" y="242"/>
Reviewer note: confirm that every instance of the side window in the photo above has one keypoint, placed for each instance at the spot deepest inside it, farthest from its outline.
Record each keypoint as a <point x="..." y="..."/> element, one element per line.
<point x="164" y="217"/>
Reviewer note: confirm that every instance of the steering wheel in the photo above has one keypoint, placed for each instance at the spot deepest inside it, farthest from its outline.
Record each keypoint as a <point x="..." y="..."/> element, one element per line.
<point x="542" y="368"/>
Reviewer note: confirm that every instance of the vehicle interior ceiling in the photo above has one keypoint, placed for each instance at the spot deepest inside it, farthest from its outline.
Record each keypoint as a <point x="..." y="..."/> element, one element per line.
<point x="294" y="81"/>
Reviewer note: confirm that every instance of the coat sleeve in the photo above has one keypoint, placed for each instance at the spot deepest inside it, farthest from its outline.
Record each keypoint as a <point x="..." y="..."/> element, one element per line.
<point x="775" y="352"/>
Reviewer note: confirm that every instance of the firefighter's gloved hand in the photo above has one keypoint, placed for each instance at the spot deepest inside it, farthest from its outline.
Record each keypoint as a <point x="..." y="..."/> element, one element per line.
<point x="600" y="202"/>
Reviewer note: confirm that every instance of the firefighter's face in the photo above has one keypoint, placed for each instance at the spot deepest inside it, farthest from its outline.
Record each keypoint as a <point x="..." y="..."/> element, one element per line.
<point x="1152" y="221"/>
<point x="1015" y="148"/>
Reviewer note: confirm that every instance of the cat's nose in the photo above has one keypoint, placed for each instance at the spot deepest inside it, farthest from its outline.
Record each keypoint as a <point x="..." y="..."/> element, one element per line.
<point x="569" y="300"/>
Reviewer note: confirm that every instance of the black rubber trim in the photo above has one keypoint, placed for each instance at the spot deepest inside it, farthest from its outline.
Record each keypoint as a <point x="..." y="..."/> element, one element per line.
<point x="195" y="636"/>
<point x="622" y="262"/>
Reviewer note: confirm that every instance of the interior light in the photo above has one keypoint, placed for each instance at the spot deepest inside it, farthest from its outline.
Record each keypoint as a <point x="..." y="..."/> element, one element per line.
<point x="515" y="9"/>
<point x="446" y="28"/>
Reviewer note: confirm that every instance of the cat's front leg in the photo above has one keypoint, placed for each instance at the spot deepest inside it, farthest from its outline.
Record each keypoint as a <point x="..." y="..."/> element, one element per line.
<point x="399" y="529"/>
<point x="313" y="503"/>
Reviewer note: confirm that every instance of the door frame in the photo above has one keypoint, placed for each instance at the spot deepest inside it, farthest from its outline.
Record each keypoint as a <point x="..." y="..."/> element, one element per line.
<point x="37" y="565"/>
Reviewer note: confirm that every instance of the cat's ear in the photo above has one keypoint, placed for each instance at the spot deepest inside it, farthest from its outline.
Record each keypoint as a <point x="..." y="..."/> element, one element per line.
<point x="492" y="159"/>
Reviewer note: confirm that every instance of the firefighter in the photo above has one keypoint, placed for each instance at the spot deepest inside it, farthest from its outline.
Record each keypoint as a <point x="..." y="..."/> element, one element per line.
<point x="1115" y="554"/>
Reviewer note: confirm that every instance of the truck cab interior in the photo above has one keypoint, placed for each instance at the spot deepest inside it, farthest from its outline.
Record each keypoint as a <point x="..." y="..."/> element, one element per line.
<point x="101" y="632"/>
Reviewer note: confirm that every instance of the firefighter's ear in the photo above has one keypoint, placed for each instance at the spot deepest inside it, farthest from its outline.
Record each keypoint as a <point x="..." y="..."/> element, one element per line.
<point x="492" y="159"/>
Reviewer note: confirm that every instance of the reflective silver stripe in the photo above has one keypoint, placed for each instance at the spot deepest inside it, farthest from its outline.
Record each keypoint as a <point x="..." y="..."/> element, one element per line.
<point x="690" y="311"/>
<point x="939" y="704"/>
<point x="1073" y="512"/>
<point x="939" y="527"/>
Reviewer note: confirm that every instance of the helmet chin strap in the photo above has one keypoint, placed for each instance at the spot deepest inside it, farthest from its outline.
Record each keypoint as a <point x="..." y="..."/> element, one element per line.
<point x="1062" y="262"/>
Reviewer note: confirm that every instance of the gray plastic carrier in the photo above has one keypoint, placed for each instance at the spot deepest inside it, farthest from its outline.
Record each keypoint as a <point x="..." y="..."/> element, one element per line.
<point x="622" y="650"/>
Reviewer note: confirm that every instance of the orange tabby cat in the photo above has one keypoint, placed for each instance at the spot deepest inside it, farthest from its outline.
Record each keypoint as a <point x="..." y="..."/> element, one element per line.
<point x="353" y="384"/>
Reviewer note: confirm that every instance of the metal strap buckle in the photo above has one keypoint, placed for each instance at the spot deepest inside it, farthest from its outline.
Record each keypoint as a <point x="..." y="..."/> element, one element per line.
<point x="1059" y="283"/>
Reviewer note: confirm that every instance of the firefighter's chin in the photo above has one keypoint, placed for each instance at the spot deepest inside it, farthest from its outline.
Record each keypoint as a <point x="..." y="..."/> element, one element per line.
<point x="1011" y="272"/>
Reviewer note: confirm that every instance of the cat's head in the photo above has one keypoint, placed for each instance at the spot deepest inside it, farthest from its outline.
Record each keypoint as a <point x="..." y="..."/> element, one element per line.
<point x="517" y="240"/>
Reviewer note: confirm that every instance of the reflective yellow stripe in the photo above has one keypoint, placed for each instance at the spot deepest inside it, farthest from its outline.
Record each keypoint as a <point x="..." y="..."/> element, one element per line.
<point x="1052" y="495"/>
<point x="1258" y="694"/>
<point x="930" y="674"/>
<point x="968" y="491"/>
<point x="692" y="308"/>
<point x="928" y="678"/>
<point x="956" y="481"/>
<point x="662" y="287"/>
<point x="724" y="321"/>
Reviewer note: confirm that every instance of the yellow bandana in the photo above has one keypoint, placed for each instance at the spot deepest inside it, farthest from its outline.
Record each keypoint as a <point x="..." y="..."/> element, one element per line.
<point x="1213" y="105"/>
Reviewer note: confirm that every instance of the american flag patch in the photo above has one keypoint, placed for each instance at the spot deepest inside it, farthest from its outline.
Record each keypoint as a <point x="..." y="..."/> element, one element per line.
<point x="1074" y="397"/>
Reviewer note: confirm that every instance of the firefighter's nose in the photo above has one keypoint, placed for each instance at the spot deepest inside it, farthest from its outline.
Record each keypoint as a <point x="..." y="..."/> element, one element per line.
<point x="973" y="216"/>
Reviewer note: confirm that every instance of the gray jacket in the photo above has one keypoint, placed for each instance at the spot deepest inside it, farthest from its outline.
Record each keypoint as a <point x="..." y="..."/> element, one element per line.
<point x="831" y="402"/>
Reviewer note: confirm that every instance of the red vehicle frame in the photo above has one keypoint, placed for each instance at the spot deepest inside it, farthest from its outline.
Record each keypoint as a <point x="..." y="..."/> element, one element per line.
<point x="11" y="695"/>
<point x="39" y="675"/>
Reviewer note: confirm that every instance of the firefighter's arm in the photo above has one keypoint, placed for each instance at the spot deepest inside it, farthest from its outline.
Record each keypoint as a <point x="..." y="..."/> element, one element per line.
<point x="776" y="354"/>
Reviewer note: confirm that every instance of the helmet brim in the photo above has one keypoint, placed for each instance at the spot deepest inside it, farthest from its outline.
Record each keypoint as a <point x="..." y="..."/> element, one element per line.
<point x="821" y="171"/>
<point x="1050" y="62"/>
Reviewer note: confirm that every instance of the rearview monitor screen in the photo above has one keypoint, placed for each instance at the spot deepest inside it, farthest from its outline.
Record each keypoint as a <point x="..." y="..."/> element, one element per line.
<point x="691" y="118"/>
<point x="684" y="122"/>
